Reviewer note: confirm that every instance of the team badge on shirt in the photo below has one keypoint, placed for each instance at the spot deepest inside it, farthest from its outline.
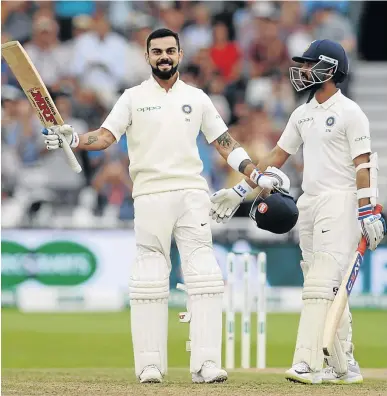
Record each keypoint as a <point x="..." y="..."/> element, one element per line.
<point x="330" y="121"/>
<point x="187" y="109"/>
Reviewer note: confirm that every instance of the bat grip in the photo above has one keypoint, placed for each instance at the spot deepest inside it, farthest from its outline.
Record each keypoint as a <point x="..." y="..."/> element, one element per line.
<point x="363" y="242"/>
<point x="71" y="158"/>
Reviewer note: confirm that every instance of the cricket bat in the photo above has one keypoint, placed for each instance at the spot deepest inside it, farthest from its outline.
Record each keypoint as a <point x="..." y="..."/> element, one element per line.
<point x="339" y="303"/>
<point x="36" y="92"/>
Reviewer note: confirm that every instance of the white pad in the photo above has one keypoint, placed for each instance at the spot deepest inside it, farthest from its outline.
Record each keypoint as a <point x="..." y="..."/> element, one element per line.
<point x="206" y="330"/>
<point x="205" y="287"/>
<point x="149" y="290"/>
<point x="305" y="265"/>
<point x="342" y="344"/>
<point x="372" y="191"/>
<point x="322" y="279"/>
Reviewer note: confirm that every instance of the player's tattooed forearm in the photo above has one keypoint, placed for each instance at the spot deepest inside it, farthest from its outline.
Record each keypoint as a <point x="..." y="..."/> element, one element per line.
<point x="91" y="140"/>
<point x="243" y="165"/>
<point x="225" y="140"/>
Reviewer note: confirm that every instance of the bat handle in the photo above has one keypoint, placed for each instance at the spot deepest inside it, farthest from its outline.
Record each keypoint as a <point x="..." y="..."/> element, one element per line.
<point x="363" y="242"/>
<point x="71" y="158"/>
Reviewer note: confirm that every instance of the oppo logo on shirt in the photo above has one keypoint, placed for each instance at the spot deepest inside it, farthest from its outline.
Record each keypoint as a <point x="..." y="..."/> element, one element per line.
<point x="144" y="109"/>
<point x="362" y="138"/>
<point x="305" y="120"/>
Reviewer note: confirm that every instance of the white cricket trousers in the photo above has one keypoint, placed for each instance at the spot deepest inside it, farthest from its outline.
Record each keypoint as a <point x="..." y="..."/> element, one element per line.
<point x="182" y="213"/>
<point x="328" y="223"/>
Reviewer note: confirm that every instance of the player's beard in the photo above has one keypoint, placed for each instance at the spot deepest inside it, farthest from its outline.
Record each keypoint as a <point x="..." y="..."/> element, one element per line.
<point x="164" y="75"/>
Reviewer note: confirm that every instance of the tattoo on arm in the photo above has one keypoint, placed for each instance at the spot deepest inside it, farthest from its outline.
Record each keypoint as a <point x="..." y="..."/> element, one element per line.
<point x="226" y="141"/>
<point x="91" y="140"/>
<point x="243" y="165"/>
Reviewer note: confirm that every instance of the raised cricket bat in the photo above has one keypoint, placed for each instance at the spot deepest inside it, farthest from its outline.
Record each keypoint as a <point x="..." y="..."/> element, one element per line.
<point x="36" y="92"/>
<point x="337" y="308"/>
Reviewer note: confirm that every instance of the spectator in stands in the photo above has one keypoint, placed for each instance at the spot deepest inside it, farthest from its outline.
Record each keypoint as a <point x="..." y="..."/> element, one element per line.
<point x="16" y="20"/>
<point x="206" y="67"/>
<point x="136" y="68"/>
<point x="281" y="101"/>
<point x="47" y="53"/>
<point x="215" y="91"/>
<point x="190" y="75"/>
<point x="98" y="63"/>
<point x="245" y="25"/>
<point x="65" y="11"/>
<point x="20" y="127"/>
<point x="111" y="180"/>
<point x="170" y="17"/>
<point x="330" y="24"/>
<point x="81" y="24"/>
<point x="224" y="53"/>
<point x="199" y="33"/>
<point x="268" y="52"/>
<point x="296" y="27"/>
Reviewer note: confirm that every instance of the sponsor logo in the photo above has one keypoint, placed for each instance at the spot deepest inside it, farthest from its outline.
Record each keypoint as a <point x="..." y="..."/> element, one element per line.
<point x="44" y="106"/>
<point x="335" y="290"/>
<point x="187" y="109"/>
<point x="144" y="109"/>
<point x="330" y="121"/>
<point x="354" y="273"/>
<point x="203" y="224"/>
<point x="362" y="138"/>
<point x="262" y="207"/>
<point x="59" y="263"/>
<point x="241" y="189"/>
<point x="305" y="120"/>
<point x="324" y="231"/>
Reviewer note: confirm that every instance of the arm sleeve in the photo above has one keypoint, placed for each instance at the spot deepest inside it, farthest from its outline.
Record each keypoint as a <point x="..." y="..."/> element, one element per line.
<point x="212" y="124"/>
<point x="120" y="117"/>
<point x="290" y="140"/>
<point x="358" y="133"/>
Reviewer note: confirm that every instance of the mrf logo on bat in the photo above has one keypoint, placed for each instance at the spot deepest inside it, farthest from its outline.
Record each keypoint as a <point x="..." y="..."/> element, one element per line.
<point x="46" y="112"/>
<point x="354" y="273"/>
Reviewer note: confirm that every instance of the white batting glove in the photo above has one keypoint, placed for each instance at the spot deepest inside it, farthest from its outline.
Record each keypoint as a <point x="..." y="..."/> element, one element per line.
<point x="266" y="182"/>
<point x="373" y="226"/>
<point x="226" y="202"/>
<point x="54" y="141"/>
<point x="283" y="180"/>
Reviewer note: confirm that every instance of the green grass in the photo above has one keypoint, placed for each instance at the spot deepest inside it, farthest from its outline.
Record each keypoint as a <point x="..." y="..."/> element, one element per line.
<point x="102" y="340"/>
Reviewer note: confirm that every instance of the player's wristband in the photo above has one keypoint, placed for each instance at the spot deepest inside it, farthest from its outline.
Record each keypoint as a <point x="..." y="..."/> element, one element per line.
<point x="75" y="140"/>
<point x="242" y="189"/>
<point x="255" y="175"/>
<point x="364" y="211"/>
<point x="236" y="157"/>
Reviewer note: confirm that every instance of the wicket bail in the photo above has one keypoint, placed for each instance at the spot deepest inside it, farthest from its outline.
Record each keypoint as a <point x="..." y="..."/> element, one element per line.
<point x="246" y="310"/>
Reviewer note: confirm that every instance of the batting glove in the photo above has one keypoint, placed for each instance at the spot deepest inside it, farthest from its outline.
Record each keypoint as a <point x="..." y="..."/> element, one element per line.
<point x="226" y="202"/>
<point x="373" y="226"/>
<point x="55" y="135"/>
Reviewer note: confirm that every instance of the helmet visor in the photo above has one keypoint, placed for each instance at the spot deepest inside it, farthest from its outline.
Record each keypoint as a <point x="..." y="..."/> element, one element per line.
<point x="302" y="78"/>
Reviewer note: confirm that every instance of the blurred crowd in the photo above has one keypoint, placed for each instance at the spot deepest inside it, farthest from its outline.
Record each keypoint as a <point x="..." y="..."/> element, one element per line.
<point x="89" y="52"/>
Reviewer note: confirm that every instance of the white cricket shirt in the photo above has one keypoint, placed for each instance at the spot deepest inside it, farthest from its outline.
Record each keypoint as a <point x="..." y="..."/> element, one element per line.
<point x="333" y="133"/>
<point x="161" y="129"/>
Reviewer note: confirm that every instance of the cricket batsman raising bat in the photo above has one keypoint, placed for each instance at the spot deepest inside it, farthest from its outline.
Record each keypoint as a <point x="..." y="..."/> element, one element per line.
<point x="37" y="93"/>
<point x="162" y="118"/>
<point x="337" y="206"/>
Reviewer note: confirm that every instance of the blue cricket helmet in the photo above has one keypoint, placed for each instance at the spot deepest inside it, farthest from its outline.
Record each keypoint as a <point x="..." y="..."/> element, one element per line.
<point x="330" y="62"/>
<point x="277" y="213"/>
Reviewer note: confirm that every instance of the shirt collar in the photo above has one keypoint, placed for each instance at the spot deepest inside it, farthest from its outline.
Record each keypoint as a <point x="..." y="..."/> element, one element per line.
<point x="328" y="103"/>
<point x="157" y="85"/>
